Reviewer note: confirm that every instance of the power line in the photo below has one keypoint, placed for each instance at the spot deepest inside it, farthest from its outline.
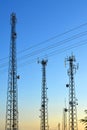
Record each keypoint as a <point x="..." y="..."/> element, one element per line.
<point x="47" y="48"/>
<point x="54" y="45"/>
<point x="55" y="52"/>
<point x="45" y="41"/>
<point x="61" y="34"/>
<point x="50" y="47"/>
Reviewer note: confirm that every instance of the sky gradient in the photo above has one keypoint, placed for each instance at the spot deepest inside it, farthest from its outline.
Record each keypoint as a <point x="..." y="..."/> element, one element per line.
<point x="39" y="23"/>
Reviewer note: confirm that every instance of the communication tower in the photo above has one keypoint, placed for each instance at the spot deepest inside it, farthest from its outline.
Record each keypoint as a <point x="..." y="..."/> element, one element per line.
<point x="58" y="126"/>
<point x="44" y="99"/>
<point x="72" y="95"/>
<point x="12" y="92"/>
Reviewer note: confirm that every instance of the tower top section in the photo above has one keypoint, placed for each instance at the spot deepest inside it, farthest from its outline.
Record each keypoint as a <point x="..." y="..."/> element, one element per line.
<point x="13" y="27"/>
<point x="43" y="62"/>
<point x="13" y="18"/>
<point x="70" y="59"/>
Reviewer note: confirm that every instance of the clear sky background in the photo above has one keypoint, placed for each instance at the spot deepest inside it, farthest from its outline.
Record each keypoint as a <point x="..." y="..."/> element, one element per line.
<point x="39" y="25"/>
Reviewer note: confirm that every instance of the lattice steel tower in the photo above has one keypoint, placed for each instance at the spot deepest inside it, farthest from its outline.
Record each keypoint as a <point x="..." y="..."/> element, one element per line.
<point x="12" y="96"/>
<point x="72" y="96"/>
<point x="44" y="99"/>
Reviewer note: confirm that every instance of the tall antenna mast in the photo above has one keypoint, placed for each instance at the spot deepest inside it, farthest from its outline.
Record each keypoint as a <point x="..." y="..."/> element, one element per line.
<point x="72" y="96"/>
<point x="58" y="126"/>
<point x="65" y="110"/>
<point x="65" y="118"/>
<point x="44" y="99"/>
<point x="12" y="92"/>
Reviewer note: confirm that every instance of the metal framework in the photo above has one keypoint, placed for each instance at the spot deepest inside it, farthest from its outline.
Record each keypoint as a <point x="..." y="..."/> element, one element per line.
<point x="72" y="96"/>
<point x="44" y="99"/>
<point x="12" y="92"/>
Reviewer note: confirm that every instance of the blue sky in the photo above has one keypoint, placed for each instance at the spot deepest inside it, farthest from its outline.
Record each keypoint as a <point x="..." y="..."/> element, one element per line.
<point x="38" y="21"/>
